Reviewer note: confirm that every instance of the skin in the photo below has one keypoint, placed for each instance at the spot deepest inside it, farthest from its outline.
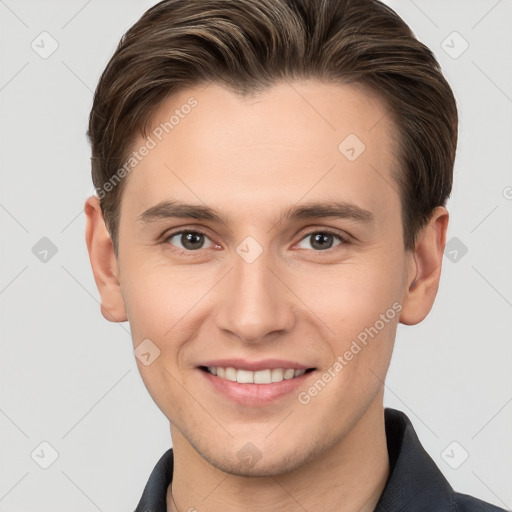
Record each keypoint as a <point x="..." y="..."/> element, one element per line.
<point x="250" y="159"/>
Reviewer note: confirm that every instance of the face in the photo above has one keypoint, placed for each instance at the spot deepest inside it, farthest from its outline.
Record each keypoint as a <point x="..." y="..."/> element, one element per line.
<point x="260" y="240"/>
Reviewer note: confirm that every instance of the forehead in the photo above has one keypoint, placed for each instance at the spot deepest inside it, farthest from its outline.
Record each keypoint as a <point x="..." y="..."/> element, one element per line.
<point x="296" y="140"/>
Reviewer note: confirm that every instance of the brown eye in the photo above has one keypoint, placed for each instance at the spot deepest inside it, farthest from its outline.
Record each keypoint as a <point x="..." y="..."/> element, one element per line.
<point x="187" y="240"/>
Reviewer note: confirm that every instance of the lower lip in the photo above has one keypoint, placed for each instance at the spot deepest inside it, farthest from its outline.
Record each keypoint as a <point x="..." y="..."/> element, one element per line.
<point x="255" y="394"/>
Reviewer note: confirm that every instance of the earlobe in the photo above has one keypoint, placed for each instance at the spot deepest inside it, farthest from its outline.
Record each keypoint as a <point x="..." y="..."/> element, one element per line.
<point x="425" y="269"/>
<point x="103" y="262"/>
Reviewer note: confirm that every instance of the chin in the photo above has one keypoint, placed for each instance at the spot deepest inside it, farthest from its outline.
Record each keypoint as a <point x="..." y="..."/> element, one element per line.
<point x="250" y="462"/>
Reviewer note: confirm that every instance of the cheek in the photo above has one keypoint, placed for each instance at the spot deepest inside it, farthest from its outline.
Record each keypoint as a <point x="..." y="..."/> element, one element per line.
<point x="357" y="308"/>
<point x="157" y="298"/>
<point x="156" y="307"/>
<point x="351" y="296"/>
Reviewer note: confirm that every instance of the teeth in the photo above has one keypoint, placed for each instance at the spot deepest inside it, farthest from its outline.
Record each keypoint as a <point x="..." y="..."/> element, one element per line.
<point x="277" y="375"/>
<point x="258" y="377"/>
<point x="244" y="376"/>
<point x="230" y="374"/>
<point x="263" y="377"/>
<point x="288" y="374"/>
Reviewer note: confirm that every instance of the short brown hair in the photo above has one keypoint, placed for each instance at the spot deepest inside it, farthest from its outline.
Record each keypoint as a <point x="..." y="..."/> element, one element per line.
<point x="247" y="46"/>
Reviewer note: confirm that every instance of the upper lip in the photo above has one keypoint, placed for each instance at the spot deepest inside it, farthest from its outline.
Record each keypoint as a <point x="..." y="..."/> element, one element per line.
<point x="263" y="364"/>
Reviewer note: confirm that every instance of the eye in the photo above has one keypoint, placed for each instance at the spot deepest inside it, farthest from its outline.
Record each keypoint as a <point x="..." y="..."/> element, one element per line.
<point x="322" y="240"/>
<point x="188" y="240"/>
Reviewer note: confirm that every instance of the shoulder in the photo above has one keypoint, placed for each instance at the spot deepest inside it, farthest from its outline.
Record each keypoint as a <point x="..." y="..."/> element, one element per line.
<point x="465" y="503"/>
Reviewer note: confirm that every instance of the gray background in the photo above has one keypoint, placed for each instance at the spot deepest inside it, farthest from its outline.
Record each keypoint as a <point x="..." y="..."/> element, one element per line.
<point x="68" y="377"/>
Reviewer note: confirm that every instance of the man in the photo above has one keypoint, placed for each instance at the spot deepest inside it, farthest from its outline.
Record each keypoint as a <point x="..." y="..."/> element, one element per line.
<point x="271" y="183"/>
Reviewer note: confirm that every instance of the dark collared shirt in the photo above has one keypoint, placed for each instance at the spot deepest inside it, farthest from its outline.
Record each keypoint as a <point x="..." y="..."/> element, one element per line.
<point x="415" y="483"/>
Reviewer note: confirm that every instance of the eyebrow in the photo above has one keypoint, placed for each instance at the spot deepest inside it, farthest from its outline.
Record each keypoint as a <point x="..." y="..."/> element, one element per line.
<point x="313" y="210"/>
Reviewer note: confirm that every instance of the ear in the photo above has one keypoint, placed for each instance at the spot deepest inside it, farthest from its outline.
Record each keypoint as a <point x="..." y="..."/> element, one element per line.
<point x="424" y="269"/>
<point x="103" y="262"/>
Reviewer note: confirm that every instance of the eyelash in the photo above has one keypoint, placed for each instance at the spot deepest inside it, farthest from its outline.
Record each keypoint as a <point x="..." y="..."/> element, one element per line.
<point x="325" y="231"/>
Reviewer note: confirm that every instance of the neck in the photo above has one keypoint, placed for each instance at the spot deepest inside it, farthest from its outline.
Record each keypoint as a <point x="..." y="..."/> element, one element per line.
<point x="350" y="474"/>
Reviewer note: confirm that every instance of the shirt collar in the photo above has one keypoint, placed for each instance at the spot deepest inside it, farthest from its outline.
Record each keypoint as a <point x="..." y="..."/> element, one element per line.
<point x="414" y="481"/>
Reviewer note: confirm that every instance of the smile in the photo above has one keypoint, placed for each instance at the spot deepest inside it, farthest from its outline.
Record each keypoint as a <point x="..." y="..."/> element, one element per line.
<point x="266" y="376"/>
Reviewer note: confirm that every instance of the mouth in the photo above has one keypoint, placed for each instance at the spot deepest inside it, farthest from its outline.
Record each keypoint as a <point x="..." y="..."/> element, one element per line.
<point x="253" y="384"/>
<point x="264" y="376"/>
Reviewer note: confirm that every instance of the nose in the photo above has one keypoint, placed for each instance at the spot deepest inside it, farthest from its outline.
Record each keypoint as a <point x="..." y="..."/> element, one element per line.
<point x="255" y="302"/>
